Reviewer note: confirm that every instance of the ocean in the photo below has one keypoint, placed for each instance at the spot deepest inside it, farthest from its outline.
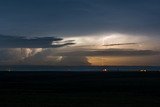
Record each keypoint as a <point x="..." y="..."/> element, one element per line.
<point x="80" y="68"/>
<point x="79" y="86"/>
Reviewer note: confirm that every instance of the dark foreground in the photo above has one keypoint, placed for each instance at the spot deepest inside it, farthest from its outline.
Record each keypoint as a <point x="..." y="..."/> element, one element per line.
<point x="79" y="89"/>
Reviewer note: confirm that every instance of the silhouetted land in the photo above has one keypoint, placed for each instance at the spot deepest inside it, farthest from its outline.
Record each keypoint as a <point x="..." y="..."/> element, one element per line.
<point x="79" y="89"/>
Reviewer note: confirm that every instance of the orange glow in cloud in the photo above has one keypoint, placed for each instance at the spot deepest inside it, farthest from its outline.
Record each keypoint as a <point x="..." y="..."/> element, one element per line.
<point x="126" y="61"/>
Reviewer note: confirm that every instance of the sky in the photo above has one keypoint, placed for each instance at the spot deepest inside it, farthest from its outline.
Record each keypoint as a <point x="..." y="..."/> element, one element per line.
<point x="80" y="32"/>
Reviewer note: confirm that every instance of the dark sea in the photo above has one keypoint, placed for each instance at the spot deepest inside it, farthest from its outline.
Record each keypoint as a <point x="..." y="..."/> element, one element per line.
<point x="80" y="68"/>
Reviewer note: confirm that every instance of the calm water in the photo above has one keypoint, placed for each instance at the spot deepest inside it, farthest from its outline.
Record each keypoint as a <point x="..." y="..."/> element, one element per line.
<point x="80" y="68"/>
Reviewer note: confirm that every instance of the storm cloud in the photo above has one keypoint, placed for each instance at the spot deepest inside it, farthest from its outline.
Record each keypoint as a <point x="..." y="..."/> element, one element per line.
<point x="48" y="27"/>
<point x="112" y="52"/>
<point x="79" y="17"/>
<point x="36" y="42"/>
<point x="49" y="57"/>
<point x="74" y="61"/>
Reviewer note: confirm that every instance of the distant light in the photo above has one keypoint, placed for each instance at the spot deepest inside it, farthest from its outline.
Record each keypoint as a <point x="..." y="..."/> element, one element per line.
<point x="105" y="70"/>
<point x="143" y="70"/>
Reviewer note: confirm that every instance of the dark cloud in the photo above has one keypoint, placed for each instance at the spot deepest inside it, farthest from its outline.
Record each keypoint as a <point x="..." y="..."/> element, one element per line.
<point x="38" y="57"/>
<point x="27" y="56"/>
<point x="79" y="17"/>
<point x="74" y="61"/>
<point x="121" y="44"/>
<point x="9" y="55"/>
<point x="108" y="45"/>
<point x="112" y="52"/>
<point x="47" y="57"/>
<point x="37" y="42"/>
<point x="71" y="58"/>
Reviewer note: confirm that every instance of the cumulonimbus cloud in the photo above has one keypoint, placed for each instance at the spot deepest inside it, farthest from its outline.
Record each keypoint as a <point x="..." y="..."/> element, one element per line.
<point x="36" y="42"/>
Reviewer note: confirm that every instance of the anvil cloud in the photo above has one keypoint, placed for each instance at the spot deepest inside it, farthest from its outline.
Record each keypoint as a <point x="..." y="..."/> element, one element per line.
<point x="79" y="17"/>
